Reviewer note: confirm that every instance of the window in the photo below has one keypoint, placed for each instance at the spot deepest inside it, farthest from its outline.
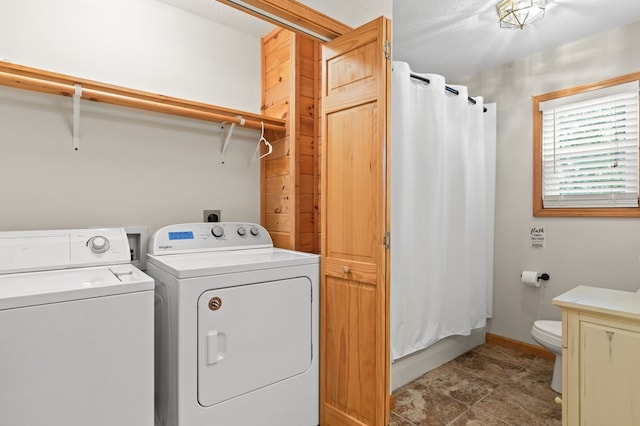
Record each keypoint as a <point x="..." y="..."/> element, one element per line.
<point x="586" y="150"/>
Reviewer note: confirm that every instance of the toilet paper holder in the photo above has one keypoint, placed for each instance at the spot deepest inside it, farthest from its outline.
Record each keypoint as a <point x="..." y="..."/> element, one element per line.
<point x="532" y="278"/>
<point x="527" y="277"/>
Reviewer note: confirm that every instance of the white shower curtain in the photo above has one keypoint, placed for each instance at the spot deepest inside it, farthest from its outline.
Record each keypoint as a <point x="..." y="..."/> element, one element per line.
<point x="442" y="197"/>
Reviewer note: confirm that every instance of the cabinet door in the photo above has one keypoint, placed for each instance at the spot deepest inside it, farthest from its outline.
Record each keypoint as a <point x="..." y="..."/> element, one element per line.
<point x="609" y="374"/>
<point x="354" y="379"/>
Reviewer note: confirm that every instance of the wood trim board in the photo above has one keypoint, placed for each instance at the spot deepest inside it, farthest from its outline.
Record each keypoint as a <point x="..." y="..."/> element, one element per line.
<point x="519" y="346"/>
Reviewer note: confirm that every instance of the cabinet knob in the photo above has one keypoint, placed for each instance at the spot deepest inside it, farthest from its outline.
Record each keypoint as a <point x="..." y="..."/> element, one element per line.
<point x="558" y="400"/>
<point x="345" y="269"/>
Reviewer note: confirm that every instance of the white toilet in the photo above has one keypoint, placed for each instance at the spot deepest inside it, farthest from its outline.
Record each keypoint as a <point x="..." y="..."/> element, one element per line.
<point x="549" y="335"/>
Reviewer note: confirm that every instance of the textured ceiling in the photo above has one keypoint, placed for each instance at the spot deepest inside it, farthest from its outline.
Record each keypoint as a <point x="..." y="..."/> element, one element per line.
<point x="456" y="38"/>
<point x="225" y="15"/>
<point x="462" y="37"/>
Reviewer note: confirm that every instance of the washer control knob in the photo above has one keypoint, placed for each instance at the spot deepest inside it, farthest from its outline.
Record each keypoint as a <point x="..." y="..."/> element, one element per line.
<point x="254" y="231"/>
<point x="242" y="231"/>
<point x="217" y="231"/>
<point x="98" y="244"/>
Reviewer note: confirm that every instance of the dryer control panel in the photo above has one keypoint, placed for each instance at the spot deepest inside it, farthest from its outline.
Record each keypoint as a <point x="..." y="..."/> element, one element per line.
<point x="210" y="236"/>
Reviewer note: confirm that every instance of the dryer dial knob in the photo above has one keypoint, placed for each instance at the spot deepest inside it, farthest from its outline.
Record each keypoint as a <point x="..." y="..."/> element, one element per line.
<point x="242" y="231"/>
<point x="217" y="231"/>
<point x="254" y="231"/>
<point x="98" y="244"/>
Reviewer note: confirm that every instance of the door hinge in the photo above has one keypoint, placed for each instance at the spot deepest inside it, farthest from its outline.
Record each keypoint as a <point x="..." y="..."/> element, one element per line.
<point x="386" y="241"/>
<point x="387" y="49"/>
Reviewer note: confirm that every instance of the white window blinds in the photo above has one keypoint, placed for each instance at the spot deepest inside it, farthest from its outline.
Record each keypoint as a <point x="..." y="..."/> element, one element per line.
<point x="590" y="149"/>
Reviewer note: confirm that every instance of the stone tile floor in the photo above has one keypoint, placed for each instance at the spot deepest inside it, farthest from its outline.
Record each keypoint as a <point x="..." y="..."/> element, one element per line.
<point x="489" y="385"/>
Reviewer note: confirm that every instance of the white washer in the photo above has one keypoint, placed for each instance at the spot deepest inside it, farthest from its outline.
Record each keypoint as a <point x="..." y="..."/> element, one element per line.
<point x="237" y="328"/>
<point x="76" y="330"/>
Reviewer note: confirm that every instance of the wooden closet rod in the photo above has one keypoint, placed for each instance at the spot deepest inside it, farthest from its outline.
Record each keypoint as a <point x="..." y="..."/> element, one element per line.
<point x="37" y="80"/>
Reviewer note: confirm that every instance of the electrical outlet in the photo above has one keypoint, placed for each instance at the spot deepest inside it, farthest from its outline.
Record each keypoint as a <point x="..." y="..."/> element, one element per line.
<point x="211" y="216"/>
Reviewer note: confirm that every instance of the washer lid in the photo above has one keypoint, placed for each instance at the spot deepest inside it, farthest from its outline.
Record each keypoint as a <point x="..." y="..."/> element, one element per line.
<point x="225" y="262"/>
<point x="37" y="288"/>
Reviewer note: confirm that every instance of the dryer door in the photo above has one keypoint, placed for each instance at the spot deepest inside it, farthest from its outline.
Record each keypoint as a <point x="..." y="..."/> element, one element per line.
<point x="252" y="336"/>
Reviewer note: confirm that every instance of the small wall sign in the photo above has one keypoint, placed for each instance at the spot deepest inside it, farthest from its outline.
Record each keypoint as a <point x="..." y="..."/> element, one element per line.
<point x="536" y="235"/>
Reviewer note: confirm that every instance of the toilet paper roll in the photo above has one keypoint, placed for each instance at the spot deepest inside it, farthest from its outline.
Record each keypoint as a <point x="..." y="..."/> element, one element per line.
<point x="530" y="278"/>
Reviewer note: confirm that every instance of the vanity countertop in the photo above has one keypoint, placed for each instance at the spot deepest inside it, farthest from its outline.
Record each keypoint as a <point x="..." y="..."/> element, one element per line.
<point x="602" y="300"/>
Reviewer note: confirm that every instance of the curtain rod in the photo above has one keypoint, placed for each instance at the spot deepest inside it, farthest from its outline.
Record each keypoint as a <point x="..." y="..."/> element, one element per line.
<point x="447" y="88"/>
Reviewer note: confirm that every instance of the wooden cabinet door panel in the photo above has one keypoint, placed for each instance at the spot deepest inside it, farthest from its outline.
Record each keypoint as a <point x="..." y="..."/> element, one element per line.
<point x="609" y="375"/>
<point x="353" y="195"/>
<point x="354" y="363"/>
<point x="350" y="347"/>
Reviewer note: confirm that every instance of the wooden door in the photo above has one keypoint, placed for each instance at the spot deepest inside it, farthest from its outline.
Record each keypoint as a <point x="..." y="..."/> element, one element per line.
<point x="354" y="362"/>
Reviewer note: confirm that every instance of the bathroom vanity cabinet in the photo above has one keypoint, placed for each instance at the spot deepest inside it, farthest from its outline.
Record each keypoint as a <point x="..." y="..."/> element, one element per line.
<point x="600" y="349"/>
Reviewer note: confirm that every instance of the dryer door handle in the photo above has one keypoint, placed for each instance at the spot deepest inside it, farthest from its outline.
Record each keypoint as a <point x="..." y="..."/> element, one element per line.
<point x="212" y="348"/>
<point x="216" y="346"/>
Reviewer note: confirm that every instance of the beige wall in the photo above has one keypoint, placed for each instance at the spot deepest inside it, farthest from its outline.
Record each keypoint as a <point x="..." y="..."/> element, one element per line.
<point x="597" y="252"/>
<point x="141" y="44"/>
<point x="133" y="167"/>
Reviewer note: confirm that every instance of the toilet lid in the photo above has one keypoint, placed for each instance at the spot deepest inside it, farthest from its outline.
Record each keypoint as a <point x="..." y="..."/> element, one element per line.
<point x="550" y="327"/>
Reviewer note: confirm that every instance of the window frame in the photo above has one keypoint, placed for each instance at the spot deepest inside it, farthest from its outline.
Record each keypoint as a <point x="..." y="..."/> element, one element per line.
<point x="538" y="206"/>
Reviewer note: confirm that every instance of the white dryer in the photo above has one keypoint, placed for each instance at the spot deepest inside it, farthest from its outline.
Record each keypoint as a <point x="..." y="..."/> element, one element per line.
<point x="237" y="327"/>
<point x="76" y="330"/>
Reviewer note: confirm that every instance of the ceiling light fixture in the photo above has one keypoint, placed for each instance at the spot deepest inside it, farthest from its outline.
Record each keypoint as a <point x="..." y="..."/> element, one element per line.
<point x="516" y="14"/>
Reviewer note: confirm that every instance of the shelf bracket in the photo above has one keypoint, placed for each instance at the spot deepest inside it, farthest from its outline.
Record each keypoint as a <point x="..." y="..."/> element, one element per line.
<point x="77" y="95"/>
<point x="226" y="139"/>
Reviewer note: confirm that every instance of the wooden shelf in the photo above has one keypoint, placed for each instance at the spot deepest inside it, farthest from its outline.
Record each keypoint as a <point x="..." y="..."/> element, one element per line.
<point x="22" y="77"/>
